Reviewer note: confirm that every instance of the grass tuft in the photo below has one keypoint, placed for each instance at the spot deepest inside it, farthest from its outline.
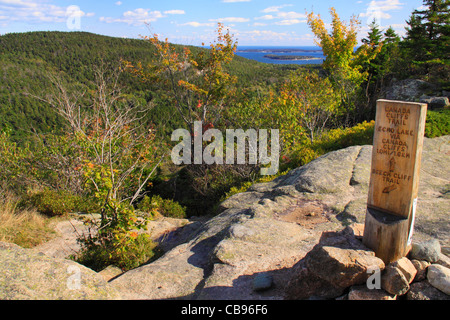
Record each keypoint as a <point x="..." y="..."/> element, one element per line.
<point x="24" y="227"/>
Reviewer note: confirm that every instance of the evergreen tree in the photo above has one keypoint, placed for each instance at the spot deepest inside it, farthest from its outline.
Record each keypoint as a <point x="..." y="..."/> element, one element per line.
<point x="389" y="55"/>
<point x="374" y="42"/>
<point x="390" y="37"/>
<point x="374" y="37"/>
<point x="382" y="67"/>
<point x="427" y="39"/>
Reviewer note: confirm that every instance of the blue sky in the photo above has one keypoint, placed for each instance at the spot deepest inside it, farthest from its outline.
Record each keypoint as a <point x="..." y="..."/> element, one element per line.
<point x="253" y="22"/>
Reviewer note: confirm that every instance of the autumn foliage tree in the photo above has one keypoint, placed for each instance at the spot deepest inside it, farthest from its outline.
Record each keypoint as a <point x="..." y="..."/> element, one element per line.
<point x="312" y="99"/>
<point x="198" y="81"/>
<point x="337" y="45"/>
<point x="343" y="63"/>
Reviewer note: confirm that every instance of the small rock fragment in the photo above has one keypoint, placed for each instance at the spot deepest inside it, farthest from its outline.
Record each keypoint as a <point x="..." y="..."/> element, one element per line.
<point x="439" y="277"/>
<point x="421" y="267"/>
<point x="364" y="293"/>
<point x="262" y="281"/>
<point x="406" y="267"/>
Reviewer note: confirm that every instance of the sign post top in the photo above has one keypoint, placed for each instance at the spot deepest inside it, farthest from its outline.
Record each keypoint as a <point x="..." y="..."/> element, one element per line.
<point x="397" y="149"/>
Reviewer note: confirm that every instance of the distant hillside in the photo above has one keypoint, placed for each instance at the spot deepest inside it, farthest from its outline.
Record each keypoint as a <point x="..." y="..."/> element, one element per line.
<point x="27" y="58"/>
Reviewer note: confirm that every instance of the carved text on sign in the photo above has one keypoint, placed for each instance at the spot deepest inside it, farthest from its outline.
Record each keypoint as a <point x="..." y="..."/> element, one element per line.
<point x="394" y="155"/>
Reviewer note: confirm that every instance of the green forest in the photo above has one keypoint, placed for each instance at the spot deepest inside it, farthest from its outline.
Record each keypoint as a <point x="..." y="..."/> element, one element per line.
<point x="86" y="120"/>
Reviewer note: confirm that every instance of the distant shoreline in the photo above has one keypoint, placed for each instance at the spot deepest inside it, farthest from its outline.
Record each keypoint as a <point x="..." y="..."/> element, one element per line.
<point x="290" y="58"/>
<point x="295" y="55"/>
<point x="267" y="50"/>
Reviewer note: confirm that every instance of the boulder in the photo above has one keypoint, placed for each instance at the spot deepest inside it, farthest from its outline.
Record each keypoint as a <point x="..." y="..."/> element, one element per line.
<point x="428" y="250"/>
<point x="406" y="267"/>
<point x="439" y="277"/>
<point x="397" y="276"/>
<point x="394" y="281"/>
<point x="408" y="90"/>
<point x="338" y="261"/>
<point x="28" y="275"/>
<point x="343" y="267"/>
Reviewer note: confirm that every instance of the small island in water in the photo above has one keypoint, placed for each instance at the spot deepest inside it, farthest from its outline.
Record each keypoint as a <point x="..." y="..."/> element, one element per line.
<point x="290" y="58"/>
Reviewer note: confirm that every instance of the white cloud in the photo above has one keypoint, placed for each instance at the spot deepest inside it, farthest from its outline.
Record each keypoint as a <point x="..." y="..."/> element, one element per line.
<point x="140" y="16"/>
<point x="196" y="24"/>
<point x="19" y="3"/>
<point x="423" y="7"/>
<point x="136" y="17"/>
<point x="118" y="3"/>
<point x="265" y="17"/>
<point x="289" y="22"/>
<point x="264" y="33"/>
<point x="376" y="15"/>
<point x="31" y="12"/>
<point x="399" y="28"/>
<point x="291" y="15"/>
<point x="285" y="18"/>
<point x="378" y="10"/>
<point x="387" y="5"/>
<point x="230" y="19"/>
<point x="37" y="11"/>
<point x="262" y="36"/>
<point x="175" y="12"/>
<point x="275" y="8"/>
<point x="398" y="25"/>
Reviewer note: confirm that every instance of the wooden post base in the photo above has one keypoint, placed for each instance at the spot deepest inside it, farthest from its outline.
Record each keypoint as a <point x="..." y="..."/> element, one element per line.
<point x="386" y="234"/>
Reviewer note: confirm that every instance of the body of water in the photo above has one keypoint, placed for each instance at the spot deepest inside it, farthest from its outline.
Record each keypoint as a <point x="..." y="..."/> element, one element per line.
<point x="258" y="52"/>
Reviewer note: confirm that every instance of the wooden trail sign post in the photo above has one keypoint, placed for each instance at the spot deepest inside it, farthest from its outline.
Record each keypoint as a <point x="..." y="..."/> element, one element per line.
<point x="394" y="178"/>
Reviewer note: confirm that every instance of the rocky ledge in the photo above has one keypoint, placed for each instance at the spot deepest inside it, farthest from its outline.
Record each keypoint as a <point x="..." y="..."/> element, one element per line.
<point x="264" y="238"/>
